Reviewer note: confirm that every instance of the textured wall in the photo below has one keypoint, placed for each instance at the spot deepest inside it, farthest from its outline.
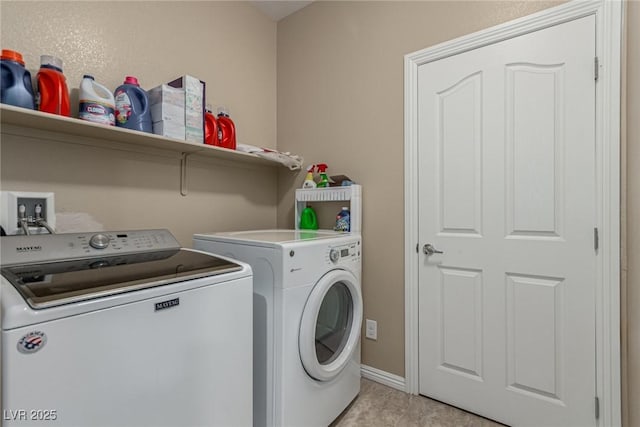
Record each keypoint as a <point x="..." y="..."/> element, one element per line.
<point x="340" y="101"/>
<point x="229" y="45"/>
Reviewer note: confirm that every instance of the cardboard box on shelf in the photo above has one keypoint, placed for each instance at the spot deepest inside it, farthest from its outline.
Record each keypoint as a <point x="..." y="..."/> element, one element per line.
<point x="194" y="99"/>
<point x="167" y="104"/>
<point x="165" y="94"/>
<point x="168" y="113"/>
<point x="170" y="129"/>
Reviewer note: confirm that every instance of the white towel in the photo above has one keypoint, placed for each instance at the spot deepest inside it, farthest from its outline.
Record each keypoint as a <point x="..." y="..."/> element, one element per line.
<point x="287" y="159"/>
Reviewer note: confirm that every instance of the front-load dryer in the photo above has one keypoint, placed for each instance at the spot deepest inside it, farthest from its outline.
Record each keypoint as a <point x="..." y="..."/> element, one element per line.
<point x="307" y="306"/>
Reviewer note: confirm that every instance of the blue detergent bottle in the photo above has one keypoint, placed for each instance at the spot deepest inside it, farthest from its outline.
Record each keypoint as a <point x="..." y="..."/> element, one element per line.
<point x="16" y="81"/>
<point x="132" y="106"/>
<point x="343" y="220"/>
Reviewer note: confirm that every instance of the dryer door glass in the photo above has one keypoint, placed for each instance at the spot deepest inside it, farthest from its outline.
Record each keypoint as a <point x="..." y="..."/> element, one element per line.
<point x="330" y="325"/>
<point x="334" y="323"/>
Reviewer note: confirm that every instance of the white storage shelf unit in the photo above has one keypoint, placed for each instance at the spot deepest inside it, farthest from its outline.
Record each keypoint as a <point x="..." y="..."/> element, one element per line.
<point x="352" y="194"/>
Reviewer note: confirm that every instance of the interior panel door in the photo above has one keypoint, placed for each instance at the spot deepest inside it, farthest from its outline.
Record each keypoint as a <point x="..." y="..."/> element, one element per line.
<point x="507" y="193"/>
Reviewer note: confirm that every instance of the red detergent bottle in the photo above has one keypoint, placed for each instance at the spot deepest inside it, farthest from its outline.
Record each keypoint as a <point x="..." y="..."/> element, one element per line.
<point x="226" y="129"/>
<point x="53" y="93"/>
<point x="210" y="128"/>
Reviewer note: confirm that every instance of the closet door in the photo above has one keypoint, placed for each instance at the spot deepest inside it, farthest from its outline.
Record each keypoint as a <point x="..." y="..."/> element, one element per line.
<point x="507" y="194"/>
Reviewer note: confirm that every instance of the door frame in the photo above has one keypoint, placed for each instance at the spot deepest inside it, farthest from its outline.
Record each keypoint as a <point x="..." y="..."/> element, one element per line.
<point x="609" y="19"/>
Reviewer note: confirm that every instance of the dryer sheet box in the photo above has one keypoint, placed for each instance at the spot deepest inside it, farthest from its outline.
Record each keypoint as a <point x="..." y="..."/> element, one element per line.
<point x="167" y="104"/>
<point x="167" y="111"/>
<point x="194" y="104"/>
<point x="169" y="129"/>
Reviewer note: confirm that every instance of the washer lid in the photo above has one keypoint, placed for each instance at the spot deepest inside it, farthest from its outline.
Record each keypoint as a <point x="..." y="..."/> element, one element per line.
<point x="55" y="283"/>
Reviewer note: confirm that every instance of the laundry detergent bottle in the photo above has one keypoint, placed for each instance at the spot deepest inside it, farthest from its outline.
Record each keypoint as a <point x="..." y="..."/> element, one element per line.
<point x="210" y="128"/>
<point x="53" y="93"/>
<point x="132" y="106"/>
<point x="16" y="81"/>
<point x="343" y="220"/>
<point x="96" y="102"/>
<point x="308" y="219"/>
<point x="226" y="129"/>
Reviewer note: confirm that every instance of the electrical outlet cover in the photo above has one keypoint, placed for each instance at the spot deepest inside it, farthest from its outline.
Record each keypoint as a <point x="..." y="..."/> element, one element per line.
<point x="371" y="329"/>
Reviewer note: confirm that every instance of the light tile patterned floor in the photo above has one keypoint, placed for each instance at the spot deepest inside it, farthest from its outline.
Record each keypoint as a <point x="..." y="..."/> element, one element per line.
<point x="382" y="406"/>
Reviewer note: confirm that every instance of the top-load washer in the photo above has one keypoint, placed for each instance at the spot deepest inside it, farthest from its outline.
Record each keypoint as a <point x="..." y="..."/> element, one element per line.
<point x="307" y="319"/>
<point x="123" y="328"/>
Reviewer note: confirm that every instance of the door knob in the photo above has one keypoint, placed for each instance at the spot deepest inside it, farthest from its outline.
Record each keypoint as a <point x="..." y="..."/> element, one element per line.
<point x="428" y="249"/>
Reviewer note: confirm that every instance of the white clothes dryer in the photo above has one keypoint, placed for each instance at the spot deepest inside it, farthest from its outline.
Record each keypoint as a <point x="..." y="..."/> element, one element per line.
<point x="307" y="319"/>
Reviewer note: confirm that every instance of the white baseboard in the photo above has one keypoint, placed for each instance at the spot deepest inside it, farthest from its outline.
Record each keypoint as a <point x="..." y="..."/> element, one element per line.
<point x="383" y="377"/>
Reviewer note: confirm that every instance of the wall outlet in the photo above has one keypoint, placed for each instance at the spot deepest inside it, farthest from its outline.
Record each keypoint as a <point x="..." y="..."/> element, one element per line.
<point x="371" y="329"/>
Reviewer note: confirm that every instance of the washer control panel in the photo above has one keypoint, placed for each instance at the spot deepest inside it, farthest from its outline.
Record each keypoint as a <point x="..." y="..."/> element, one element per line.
<point x="344" y="253"/>
<point x="125" y="241"/>
<point x="99" y="241"/>
<point x="52" y="247"/>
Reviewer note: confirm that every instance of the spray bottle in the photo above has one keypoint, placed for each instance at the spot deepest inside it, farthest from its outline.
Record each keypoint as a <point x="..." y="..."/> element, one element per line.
<point x="324" y="179"/>
<point x="308" y="181"/>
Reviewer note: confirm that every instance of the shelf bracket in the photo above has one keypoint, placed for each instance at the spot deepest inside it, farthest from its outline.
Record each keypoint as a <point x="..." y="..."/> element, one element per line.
<point x="183" y="174"/>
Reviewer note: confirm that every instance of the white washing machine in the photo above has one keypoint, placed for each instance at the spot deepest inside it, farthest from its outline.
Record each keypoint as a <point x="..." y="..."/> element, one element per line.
<point x="123" y="328"/>
<point x="307" y="306"/>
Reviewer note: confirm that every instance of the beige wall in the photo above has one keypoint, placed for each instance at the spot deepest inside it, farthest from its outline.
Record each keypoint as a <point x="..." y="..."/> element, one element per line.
<point x="633" y="214"/>
<point x="230" y="45"/>
<point x="340" y="101"/>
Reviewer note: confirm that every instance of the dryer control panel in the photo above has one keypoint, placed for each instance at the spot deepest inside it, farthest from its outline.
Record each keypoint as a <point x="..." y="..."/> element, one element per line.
<point x="348" y="252"/>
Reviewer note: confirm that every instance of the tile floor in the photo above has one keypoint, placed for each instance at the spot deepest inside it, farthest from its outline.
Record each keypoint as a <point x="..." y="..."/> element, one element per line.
<point x="380" y="406"/>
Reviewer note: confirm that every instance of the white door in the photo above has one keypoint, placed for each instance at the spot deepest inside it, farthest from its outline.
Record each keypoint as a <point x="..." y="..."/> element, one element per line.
<point x="507" y="192"/>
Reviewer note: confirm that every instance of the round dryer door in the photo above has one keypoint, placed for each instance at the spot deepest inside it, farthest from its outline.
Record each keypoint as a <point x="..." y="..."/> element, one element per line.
<point x="330" y="326"/>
